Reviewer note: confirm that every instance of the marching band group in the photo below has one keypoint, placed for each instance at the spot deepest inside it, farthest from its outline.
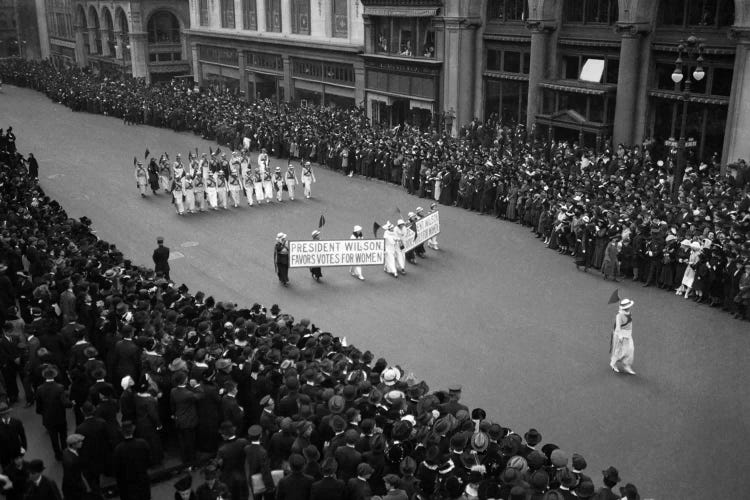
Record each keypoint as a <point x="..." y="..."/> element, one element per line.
<point x="215" y="181"/>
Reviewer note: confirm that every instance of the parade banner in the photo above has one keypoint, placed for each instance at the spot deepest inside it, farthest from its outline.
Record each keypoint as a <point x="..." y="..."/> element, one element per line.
<point x="426" y="228"/>
<point x="331" y="253"/>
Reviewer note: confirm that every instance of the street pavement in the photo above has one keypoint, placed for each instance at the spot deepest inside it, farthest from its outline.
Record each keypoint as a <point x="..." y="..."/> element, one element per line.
<point x="494" y="310"/>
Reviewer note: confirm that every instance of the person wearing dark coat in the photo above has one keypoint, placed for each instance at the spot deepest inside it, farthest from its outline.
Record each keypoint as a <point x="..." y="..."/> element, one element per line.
<point x="184" y="489"/>
<point x="126" y="358"/>
<point x="12" y="436"/>
<point x="33" y="167"/>
<point x="328" y="488"/>
<point x="130" y="466"/>
<point x="161" y="258"/>
<point x="10" y="360"/>
<point x="231" y="456"/>
<point x="73" y="482"/>
<point x="257" y="462"/>
<point x="297" y="485"/>
<point x="281" y="258"/>
<point x="51" y="403"/>
<point x="18" y="474"/>
<point x="183" y="407"/>
<point x="98" y="444"/>
<point x="358" y="488"/>
<point x="40" y="487"/>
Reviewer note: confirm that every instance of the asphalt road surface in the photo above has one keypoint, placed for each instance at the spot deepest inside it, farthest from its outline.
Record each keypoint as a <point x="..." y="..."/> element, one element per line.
<point x="515" y="323"/>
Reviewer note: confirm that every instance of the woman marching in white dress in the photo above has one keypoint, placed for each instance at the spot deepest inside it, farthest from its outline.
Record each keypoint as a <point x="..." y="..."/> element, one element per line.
<point x="308" y="177"/>
<point x="622" y="349"/>
<point x="291" y="180"/>
<point x="391" y="240"/>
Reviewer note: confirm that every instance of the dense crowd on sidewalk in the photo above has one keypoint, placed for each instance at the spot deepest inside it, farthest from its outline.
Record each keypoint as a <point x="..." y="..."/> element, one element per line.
<point x="256" y="399"/>
<point x="616" y="212"/>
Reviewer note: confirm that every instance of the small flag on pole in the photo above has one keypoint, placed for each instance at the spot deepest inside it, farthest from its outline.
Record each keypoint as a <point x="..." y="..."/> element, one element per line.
<point x="375" y="228"/>
<point x="398" y="210"/>
<point x="210" y="151"/>
<point x="615" y="298"/>
<point x="135" y="160"/>
<point x="322" y="221"/>
<point x="145" y="155"/>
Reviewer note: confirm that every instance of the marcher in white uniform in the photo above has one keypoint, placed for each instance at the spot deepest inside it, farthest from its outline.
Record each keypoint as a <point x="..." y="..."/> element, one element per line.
<point x="211" y="191"/>
<point x="234" y="183"/>
<point x="165" y="174"/>
<point x="278" y="181"/>
<point x="189" y="193"/>
<point x="199" y="190"/>
<point x="263" y="160"/>
<point x="221" y="189"/>
<point x="141" y="178"/>
<point x="268" y="185"/>
<point x="622" y="349"/>
<point x="356" y="271"/>
<point x="258" y="185"/>
<point x="177" y="192"/>
<point x="308" y="177"/>
<point x="391" y="241"/>
<point x="401" y="233"/>
<point x="291" y="180"/>
<point x="247" y="182"/>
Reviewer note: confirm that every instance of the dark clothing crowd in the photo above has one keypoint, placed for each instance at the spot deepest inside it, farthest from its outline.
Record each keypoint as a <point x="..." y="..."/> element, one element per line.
<point x="265" y="405"/>
<point x="621" y="212"/>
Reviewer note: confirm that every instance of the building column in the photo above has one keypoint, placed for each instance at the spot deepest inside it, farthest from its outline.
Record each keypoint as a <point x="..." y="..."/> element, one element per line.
<point x="627" y="86"/>
<point x="105" y="42"/>
<point x="359" y="82"/>
<point x="92" y="40"/>
<point x="737" y="128"/>
<point x="286" y="17"/>
<point x="80" y="51"/>
<point x="243" y="73"/>
<point x="287" y="84"/>
<point x="118" y="44"/>
<point x="139" y="55"/>
<point x="197" y="70"/>
<point x="537" y="70"/>
<point x="458" y="70"/>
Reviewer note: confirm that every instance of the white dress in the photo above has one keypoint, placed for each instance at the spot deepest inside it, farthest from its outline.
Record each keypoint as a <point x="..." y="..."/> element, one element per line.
<point x="689" y="276"/>
<point x="623" y="349"/>
<point x="390" y="253"/>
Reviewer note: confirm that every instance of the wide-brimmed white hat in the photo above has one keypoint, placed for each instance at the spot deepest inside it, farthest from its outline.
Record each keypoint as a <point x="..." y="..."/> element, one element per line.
<point x="626" y="304"/>
<point x="280" y="236"/>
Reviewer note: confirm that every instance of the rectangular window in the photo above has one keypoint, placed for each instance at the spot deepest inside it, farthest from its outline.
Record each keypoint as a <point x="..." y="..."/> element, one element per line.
<point x="404" y="37"/>
<point x="512" y="61"/>
<point x="571" y="67"/>
<point x="340" y="19"/>
<point x="590" y="11"/>
<point x="227" y="14"/>
<point x="203" y="8"/>
<point x="493" y="60"/>
<point x="722" y="81"/>
<point x="249" y="15"/>
<point x="506" y="10"/>
<point x="273" y="15"/>
<point x="301" y="17"/>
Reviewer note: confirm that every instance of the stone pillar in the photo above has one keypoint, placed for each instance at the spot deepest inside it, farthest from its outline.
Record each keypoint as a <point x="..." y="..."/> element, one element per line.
<point x="458" y="69"/>
<point x="243" y="73"/>
<point x="118" y="44"/>
<point x="139" y="55"/>
<point x="105" y="42"/>
<point x="369" y="41"/>
<point x="287" y="84"/>
<point x="737" y="129"/>
<point x="92" y="40"/>
<point x="260" y="9"/>
<point x="359" y="82"/>
<point x="197" y="70"/>
<point x="628" y="79"/>
<point x="81" y="54"/>
<point x="537" y="70"/>
<point x="286" y="17"/>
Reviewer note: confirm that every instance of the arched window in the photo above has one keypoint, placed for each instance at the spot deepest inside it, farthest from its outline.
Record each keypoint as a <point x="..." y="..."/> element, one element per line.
<point x="163" y="27"/>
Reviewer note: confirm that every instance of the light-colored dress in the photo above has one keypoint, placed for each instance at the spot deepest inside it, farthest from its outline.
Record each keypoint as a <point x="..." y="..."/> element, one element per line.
<point x="623" y="349"/>
<point x="689" y="276"/>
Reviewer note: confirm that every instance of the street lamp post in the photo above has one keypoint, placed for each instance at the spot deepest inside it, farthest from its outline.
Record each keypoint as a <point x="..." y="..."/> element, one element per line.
<point x="692" y="50"/>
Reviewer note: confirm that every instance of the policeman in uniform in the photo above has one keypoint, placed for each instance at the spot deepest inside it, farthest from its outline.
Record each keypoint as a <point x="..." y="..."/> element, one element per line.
<point x="278" y="180"/>
<point x="308" y="177"/>
<point x="355" y="271"/>
<point x="141" y="178"/>
<point x="291" y="180"/>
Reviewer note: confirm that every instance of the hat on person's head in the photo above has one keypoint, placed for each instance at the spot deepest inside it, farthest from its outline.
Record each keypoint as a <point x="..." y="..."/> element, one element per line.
<point x="255" y="431"/>
<point x="222" y="364"/>
<point x="577" y="462"/>
<point x="532" y="437"/>
<point x="336" y="404"/>
<point x="49" y="373"/>
<point x="315" y="233"/>
<point x="311" y="453"/>
<point x="585" y="489"/>
<point x="480" y="441"/>
<point x="184" y="484"/>
<point x="458" y="441"/>
<point x="611" y="474"/>
<point x="227" y="428"/>
<point x="74" y="439"/>
<point x="626" y="304"/>
<point x="338" y="424"/>
<point x="364" y="469"/>
<point x="36" y="466"/>
<point x="160" y="239"/>
<point x="568" y="479"/>
<point x="539" y="480"/>
<point x="629" y="491"/>
<point x="519" y="463"/>
<point x="390" y="375"/>
<point x="536" y="460"/>
<point x="558" y="458"/>
<point x="401" y="430"/>
<point x="357" y="229"/>
<point x="400" y="222"/>
<point x="178" y="365"/>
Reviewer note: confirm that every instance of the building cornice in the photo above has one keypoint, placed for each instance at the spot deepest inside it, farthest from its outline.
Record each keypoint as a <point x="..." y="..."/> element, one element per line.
<point x="238" y="38"/>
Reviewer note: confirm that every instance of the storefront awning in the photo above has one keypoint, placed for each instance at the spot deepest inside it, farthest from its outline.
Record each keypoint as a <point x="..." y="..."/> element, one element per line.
<point x="401" y="11"/>
<point x="579" y="87"/>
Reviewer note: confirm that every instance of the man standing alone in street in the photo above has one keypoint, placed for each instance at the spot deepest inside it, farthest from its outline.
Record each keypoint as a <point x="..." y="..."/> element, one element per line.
<point x="161" y="258"/>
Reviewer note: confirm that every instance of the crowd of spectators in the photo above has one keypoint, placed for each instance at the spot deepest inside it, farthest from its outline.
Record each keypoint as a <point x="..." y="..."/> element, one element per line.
<point x="256" y="399"/>
<point x="617" y="211"/>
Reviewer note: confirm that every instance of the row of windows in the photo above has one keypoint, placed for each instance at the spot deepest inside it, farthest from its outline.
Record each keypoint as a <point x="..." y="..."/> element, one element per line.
<point x="404" y="36"/>
<point x="264" y="61"/>
<point x="60" y="24"/>
<point x="508" y="60"/>
<point x="221" y="55"/>
<point x="319" y="70"/>
<point x="300" y="16"/>
<point x="709" y="13"/>
<point x="165" y="56"/>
